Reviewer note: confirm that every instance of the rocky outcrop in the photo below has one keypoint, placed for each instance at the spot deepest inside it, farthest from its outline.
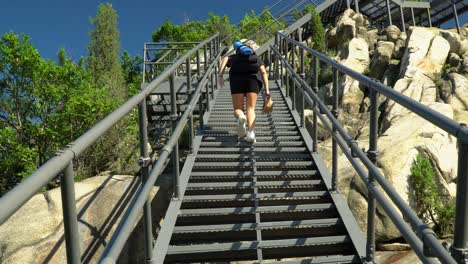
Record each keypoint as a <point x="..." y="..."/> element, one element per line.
<point x="428" y="65"/>
<point x="381" y="59"/>
<point x="35" y="233"/>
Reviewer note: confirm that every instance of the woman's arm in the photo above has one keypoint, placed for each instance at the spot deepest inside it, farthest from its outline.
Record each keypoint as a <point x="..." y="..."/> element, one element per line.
<point x="264" y="74"/>
<point x="224" y="62"/>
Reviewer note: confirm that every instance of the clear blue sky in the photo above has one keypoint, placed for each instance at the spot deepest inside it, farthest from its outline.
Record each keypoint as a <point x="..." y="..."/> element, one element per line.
<point x="52" y="24"/>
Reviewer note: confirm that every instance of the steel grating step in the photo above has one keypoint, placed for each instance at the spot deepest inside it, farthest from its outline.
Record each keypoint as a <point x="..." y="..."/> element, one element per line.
<point x="262" y="202"/>
<point x="252" y="150"/>
<point x="256" y="156"/>
<point x="271" y="248"/>
<point x="243" y="144"/>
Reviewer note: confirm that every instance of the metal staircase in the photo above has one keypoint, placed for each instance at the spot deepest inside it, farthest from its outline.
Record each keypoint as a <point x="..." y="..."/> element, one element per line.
<point x="258" y="201"/>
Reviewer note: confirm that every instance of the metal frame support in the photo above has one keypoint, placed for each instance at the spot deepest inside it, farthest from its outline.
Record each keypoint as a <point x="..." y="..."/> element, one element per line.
<point x="412" y="17"/>
<point x="198" y="65"/>
<point x="372" y="155"/>
<point x="315" y="87"/>
<point x="348" y="5"/>
<point x="403" y="28"/>
<point x="175" y="149"/>
<point x="70" y="220"/>
<point x="205" y="57"/>
<point x="429" y="17"/>
<point x="357" y="5"/>
<point x="389" y="13"/>
<point x="302" y="74"/>
<point x="459" y="248"/>
<point x="334" y="143"/>
<point x="144" y="163"/>
<point x="293" y="83"/>
<point x="455" y="16"/>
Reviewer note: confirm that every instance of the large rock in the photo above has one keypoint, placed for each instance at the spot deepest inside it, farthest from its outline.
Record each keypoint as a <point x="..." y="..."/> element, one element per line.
<point x="346" y="29"/>
<point x="400" y="46"/>
<point x="332" y="38"/>
<point x="419" y="42"/>
<point x="459" y="98"/>
<point x="398" y="148"/>
<point x="454" y="41"/>
<point x="419" y="87"/>
<point x="436" y="56"/>
<point x="35" y="234"/>
<point x="392" y="33"/>
<point x="381" y="59"/>
<point x="357" y="55"/>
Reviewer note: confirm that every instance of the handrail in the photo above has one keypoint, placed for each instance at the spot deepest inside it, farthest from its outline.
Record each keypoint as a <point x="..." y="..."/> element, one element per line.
<point x="62" y="162"/>
<point x="125" y="227"/>
<point x="341" y="138"/>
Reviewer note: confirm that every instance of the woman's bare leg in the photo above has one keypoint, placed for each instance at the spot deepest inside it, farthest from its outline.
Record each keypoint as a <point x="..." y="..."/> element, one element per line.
<point x="250" y="109"/>
<point x="238" y="103"/>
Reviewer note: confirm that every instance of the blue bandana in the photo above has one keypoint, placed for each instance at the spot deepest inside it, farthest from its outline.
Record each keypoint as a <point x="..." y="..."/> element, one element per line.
<point x="242" y="49"/>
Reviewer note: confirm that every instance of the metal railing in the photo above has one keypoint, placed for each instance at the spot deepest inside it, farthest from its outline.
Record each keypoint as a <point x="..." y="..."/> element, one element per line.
<point x="421" y="238"/>
<point x="62" y="163"/>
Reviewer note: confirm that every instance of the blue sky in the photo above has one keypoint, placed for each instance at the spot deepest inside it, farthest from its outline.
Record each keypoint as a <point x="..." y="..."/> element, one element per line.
<point x="52" y="24"/>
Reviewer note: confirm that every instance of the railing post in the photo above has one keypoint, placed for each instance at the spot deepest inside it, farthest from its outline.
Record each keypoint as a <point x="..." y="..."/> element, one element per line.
<point x="372" y="154"/>
<point x="459" y="248"/>
<point x="188" y="73"/>
<point x="429" y="17"/>
<point x="198" y="64"/>
<point x="70" y="220"/>
<point x="389" y="13"/>
<point x="144" y="162"/>
<point x="302" y="74"/>
<point x="205" y="56"/>
<point x="211" y="85"/>
<point x="455" y="16"/>
<point x="175" y="149"/>
<point x="403" y="28"/>
<point x="334" y="143"/>
<point x="293" y="83"/>
<point x="314" y="125"/>
<point x="412" y="17"/>
<point x="207" y="91"/>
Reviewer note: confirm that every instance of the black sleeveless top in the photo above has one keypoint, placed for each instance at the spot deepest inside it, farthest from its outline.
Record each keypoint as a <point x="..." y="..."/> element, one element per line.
<point x="244" y="67"/>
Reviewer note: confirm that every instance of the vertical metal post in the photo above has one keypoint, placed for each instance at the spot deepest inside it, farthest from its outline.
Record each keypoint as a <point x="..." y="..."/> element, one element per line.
<point x="372" y="154"/>
<point x="302" y="74"/>
<point x="207" y="91"/>
<point x="429" y="17"/>
<point x="205" y="56"/>
<point x="270" y="70"/>
<point x="412" y="17"/>
<point x="334" y="143"/>
<point x="211" y="86"/>
<point x="455" y="16"/>
<point x="348" y="5"/>
<point x="403" y="28"/>
<point x="144" y="163"/>
<point x="70" y="220"/>
<point x="198" y="65"/>
<point x="144" y="63"/>
<point x="201" y="110"/>
<point x="389" y="13"/>
<point x="188" y="73"/>
<point x="175" y="149"/>
<point x="293" y="83"/>
<point x="314" y="125"/>
<point x="357" y="5"/>
<point x="459" y="248"/>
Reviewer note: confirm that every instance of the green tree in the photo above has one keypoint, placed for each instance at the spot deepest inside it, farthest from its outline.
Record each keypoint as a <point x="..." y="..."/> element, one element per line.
<point x="43" y="106"/>
<point x="104" y="50"/>
<point x="132" y="69"/>
<point x="221" y="25"/>
<point x="61" y="56"/>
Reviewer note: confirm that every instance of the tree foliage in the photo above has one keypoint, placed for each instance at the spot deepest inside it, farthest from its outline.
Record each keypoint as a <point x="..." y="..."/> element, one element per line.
<point x="429" y="203"/>
<point x="104" y="50"/>
<point x="43" y="106"/>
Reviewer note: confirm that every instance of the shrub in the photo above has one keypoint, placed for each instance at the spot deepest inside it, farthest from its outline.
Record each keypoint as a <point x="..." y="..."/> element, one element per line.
<point x="429" y="203"/>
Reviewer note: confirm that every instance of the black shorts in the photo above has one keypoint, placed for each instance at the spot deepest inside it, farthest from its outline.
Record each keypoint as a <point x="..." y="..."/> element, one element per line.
<point x="242" y="86"/>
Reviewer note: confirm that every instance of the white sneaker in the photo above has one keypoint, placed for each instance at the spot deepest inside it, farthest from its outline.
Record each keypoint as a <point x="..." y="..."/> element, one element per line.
<point x="241" y="126"/>
<point x="250" y="137"/>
